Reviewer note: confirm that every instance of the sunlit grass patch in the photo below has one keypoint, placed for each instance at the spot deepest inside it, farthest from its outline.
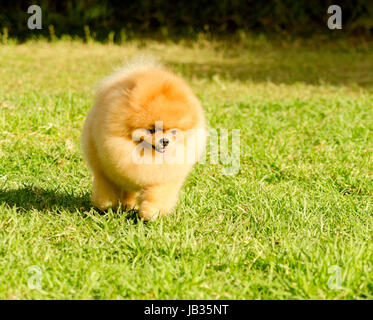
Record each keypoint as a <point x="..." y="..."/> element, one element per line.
<point x="300" y="204"/>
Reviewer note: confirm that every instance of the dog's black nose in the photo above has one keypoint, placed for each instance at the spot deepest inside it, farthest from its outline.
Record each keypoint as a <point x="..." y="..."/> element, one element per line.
<point x="164" y="142"/>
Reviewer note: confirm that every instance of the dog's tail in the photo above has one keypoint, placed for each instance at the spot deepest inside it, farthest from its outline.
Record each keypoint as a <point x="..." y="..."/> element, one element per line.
<point x="141" y="62"/>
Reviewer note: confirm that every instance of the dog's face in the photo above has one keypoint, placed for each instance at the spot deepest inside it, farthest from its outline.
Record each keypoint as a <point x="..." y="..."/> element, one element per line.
<point x="161" y="114"/>
<point x="158" y="138"/>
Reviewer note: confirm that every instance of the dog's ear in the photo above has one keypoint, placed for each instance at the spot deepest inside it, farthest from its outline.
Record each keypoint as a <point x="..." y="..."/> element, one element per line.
<point x="130" y="84"/>
<point x="109" y="88"/>
<point x="126" y="85"/>
<point x="122" y="88"/>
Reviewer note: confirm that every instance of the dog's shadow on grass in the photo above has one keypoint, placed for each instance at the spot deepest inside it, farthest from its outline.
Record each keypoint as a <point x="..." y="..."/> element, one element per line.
<point x="28" y="198"/>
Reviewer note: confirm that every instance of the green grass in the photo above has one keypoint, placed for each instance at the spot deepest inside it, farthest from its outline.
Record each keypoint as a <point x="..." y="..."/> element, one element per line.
<point x="301" y="203"/>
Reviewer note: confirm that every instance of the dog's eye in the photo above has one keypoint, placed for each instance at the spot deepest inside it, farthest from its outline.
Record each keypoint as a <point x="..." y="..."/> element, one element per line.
<point x="174" y="131"/>
<point x="151" y="130"/>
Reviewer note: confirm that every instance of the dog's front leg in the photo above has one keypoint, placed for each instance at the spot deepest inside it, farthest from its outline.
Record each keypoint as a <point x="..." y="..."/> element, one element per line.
<point x="159" y="199"/>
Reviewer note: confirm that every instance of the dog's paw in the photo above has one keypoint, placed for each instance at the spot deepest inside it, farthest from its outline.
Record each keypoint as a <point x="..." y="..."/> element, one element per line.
<point x="130" y="206"/>
<point x="103" y="205"/>
<point x="129" y="201"/>
<point x="147" y="212"/>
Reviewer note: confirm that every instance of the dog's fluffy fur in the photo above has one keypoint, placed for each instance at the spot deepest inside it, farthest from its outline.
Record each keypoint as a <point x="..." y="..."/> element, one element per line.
<point x="136" y="98"/>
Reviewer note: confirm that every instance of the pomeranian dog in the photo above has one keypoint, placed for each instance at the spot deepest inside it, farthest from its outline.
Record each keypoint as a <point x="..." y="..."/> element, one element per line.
<point x="141" y="138"/>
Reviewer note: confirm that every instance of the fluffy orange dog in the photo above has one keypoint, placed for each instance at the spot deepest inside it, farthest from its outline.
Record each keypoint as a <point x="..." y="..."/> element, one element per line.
<point x="141" y="139"/>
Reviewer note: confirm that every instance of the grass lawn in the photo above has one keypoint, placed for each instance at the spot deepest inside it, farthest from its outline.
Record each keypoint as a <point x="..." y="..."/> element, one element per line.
<point x="295" y="222"/>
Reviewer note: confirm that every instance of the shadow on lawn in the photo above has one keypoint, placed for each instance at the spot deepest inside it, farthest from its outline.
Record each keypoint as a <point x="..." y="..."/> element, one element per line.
<point x="337" y="70"/>
<point x="28" y="198"/>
